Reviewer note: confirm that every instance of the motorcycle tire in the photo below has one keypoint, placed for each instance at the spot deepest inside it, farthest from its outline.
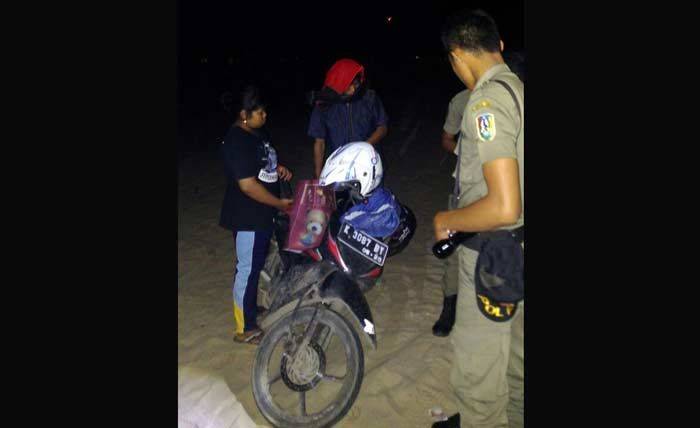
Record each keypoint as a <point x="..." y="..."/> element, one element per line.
<point x="344" y="399"/>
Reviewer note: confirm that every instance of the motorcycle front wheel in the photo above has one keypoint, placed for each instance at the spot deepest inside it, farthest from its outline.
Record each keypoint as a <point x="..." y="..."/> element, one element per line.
<point x="320" y="387"/>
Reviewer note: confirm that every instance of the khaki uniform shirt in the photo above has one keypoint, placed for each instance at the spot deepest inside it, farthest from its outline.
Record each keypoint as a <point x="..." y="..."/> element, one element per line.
<point x="489" y="129"/>
<point x="453" y="121"/>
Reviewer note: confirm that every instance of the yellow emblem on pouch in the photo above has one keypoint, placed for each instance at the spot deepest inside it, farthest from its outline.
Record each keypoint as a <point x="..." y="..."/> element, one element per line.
<point x="494" y="310"/>
<point x="489" y="308"/>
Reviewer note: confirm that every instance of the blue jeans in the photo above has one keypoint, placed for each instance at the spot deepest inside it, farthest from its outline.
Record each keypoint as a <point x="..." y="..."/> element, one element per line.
<point x="251" y="251"/>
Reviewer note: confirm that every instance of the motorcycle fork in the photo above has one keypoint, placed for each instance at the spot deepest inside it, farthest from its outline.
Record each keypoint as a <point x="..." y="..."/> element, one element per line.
<point x="310" y="328"/>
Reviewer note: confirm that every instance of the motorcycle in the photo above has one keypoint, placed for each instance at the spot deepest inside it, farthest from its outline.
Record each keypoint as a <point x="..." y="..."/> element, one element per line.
<point x="309" y="366"/>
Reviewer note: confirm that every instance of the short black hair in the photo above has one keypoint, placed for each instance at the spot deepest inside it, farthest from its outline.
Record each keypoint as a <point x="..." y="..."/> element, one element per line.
<point x="471" y="30"/>
<point x="251" y="99"/>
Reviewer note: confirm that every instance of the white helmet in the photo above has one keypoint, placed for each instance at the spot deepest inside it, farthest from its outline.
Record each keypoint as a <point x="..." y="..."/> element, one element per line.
<point x="356" y="161"/>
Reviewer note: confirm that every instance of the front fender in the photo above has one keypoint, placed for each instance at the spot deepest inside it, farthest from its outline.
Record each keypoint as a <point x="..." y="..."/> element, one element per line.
<point x="340" y="288"/>
<point x="293" y="285"/>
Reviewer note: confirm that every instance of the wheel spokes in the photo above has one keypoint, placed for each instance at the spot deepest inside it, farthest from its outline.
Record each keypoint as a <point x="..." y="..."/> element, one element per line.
<point x="333" y="378"/>
<point x="276" y="378"/>
<point x="292" y="390"/>
<point x="302" y="402"/>
<point x="323" y="336"/>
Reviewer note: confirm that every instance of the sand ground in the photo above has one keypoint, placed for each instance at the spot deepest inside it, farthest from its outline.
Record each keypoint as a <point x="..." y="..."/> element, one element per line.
<point x="408" y="373"/>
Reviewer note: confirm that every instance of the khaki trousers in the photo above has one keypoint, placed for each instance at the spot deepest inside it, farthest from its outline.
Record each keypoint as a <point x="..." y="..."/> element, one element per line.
<point x="487" y="373"/>
<point x="450" y="277"/>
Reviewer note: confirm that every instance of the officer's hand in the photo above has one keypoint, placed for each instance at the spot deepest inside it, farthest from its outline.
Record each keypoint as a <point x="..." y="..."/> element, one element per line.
<point x="441" y="232"/>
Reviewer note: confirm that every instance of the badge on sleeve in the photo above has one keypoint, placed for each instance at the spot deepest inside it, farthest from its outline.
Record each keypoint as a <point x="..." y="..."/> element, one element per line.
<point x="486" y="126"/>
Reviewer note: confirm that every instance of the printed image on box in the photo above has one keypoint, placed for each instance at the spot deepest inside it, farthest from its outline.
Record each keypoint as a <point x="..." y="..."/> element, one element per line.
<point x="311" y="211"/>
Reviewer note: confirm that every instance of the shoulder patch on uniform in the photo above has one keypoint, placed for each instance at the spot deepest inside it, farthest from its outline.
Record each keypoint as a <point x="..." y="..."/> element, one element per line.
<point x="481" y="104"/>
<point x="486" y="126"/>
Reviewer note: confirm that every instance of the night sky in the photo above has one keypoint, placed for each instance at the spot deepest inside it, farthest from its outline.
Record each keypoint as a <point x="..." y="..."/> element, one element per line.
<point x="256" y="32"/>
<point x="303" y="27"/>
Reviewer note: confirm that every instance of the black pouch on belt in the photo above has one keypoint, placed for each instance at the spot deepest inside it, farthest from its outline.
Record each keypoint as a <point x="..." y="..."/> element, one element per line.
<point x="475" y="243"/>
<point x="499" y="277"/>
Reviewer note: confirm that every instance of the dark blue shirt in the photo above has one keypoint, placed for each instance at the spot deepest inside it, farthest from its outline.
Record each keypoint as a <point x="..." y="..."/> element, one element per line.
<point x="342" y="123"/>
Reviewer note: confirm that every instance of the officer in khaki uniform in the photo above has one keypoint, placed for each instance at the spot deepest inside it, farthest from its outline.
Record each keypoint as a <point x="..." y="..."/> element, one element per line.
<point x="450" y="129"/>
<point x="487" y="373"/>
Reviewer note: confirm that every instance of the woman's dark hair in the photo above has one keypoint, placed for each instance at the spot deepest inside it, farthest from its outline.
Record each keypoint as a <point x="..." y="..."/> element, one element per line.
<point x="471" y="30"/>
<point x="251" y="99"/>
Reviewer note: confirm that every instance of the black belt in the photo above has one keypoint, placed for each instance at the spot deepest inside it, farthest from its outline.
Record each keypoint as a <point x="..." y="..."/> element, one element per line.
<point x="477" y="240"/>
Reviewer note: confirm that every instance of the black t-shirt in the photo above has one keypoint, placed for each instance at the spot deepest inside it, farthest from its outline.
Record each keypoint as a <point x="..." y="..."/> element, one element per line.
<point x="247" y="155"/>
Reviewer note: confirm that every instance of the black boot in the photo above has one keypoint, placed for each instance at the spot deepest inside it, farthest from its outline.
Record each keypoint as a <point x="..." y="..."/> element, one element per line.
<point x="451" y="422"/>
<point x="443" y="325"/>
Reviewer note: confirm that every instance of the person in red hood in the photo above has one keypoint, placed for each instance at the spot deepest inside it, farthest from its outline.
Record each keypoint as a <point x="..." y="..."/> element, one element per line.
<point x="345" y="111"/>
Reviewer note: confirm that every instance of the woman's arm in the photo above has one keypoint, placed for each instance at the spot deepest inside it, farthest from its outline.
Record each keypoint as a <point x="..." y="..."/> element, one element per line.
<point x="254" y="190"/>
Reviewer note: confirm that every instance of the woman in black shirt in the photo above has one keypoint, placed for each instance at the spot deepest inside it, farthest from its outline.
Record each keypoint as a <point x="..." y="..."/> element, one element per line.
<point x="250" y="202"/>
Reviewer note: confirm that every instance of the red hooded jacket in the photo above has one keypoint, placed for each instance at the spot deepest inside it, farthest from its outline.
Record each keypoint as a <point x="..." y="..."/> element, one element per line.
<point x="341" y="74"/>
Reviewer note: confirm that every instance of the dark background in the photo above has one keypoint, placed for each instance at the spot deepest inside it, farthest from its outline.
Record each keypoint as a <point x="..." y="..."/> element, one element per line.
<point x="286" y="49"/>
<point x="103" y="253"/>
<point x="108" y="199"/>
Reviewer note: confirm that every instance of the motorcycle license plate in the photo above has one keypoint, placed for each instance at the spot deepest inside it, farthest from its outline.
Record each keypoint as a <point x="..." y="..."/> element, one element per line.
<point x="369" y="247"/>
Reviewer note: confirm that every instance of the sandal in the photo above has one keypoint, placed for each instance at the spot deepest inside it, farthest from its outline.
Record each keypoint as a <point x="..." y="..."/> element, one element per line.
<point x="252" y="337"/>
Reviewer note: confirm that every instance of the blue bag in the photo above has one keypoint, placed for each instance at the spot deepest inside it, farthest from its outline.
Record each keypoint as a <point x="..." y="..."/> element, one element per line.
<point x="378" y="216"/>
